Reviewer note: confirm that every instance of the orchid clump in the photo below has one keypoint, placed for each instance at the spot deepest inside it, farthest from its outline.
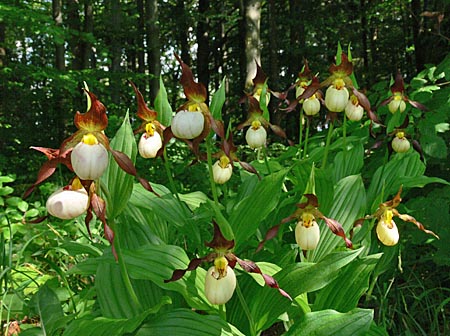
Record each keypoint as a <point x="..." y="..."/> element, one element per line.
<point x="220" y="281"/>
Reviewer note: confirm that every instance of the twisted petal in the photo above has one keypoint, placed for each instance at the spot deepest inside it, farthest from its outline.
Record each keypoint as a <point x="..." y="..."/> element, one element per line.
<point x="335" y="227"/>
<point x="193" y="264"/>
<point x="194" y="91"/>
<point x="411" y="219"/>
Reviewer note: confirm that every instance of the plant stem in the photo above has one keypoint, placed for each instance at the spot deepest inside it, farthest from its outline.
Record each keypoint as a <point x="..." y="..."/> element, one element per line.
<point x="124" y="271"/>
<point x="305" y="150"/>
<point x="246" y="310"/>
<point x="169" y="175"/>
<point x="344" y="138"/>
<point x="267" y="161"/>
<point x="327" y="144"/>
<point x="300" y="133"/>
<point x="222" y="312"/>
<point x="210" y="169"/>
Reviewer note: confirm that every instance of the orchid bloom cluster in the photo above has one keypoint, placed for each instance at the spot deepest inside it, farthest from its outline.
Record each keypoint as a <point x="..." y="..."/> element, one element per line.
<point x="86" y="154"/>
<point x="386" y="229"/>
<point x="307" y="232"/>
<point x="220" y="281"/>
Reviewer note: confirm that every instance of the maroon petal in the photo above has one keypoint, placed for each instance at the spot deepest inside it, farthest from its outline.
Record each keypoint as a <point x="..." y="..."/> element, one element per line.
<point x="194" y="91"/>
<point x="219" y="242"/>
<point x="337" y="229"/>
<point x="251" y="267"/>
<point x="418" y="105"/>
<point x="193" y="264"/>
<point x="143" y="112"/>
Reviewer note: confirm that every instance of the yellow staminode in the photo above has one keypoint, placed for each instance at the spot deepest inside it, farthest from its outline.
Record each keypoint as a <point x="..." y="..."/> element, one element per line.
<point x="89" y="139"/>
<point x="398" y="96"/>
<point x="76" y="184"/>
<point x="354" y="100"/>
<point x="224" y="161"/>
<point x="308" y="219"/>
<point x="256" y="124"/>
<point x="339" y="83"/>
<point x="388" y="218"/>
<point x="150" y="129"/>
<point x="221" y="264"/>
<point x="194" y="107"/>
<point x="400" y="135"/>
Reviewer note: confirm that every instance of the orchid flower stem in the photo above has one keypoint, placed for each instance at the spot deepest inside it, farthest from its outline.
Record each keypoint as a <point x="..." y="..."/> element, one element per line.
<point x="305" y="150"/>
<point x="169" y="175"/>
<point x="222" y="312"/>
<point x="124" y="271"/>
<point x="327" y="144"/>
<point x="267" y="161"/>
<point x="344" y="137"/>
<point x="300" y="133"/>
<point x="246" y="310"/>
<point x="210" y="169"/>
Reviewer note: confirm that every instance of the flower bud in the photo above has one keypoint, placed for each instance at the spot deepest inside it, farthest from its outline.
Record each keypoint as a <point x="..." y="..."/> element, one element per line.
<point x="400" y="144"/>
<point x="68" y="202"/>
<point x="220" y="282"/>
<point x="307" y="232"/>
<point x="150" y="142"/>
<point x="256" y="135"/>
<point x="353" y="110"/>
<point x="311" y="105"/>
<point x="397" y="104"/>
<point x="336" y="96"/>
<point x="188" y="124"/>
<point x="89" y="158"/>
<point x="387" y="231"/>
<point x="222" y="170"/>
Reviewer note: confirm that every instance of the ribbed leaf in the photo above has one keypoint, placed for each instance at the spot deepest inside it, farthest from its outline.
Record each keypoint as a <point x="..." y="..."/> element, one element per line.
<point x="102" y="326"/>
<point x="157" y="263"/>
<point x="266" y="304"/>
<point x="386" y="180"/>
<point x="345" y="291"/>
<point x="248" y="213"/>
<point x="162" y="105"/>
<point x="348" y="205"/>
<point x="187" y="323"/>
<point x="332" y="323"/>
<point x="118" y="183"/>
<point x="217" y="101"/>
<point x="348" y="163"/>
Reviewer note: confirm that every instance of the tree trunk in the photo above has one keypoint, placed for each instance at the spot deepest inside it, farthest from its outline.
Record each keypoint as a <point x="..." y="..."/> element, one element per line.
<point x="74" y="24"/>
<point x="59" y="47"/>
<point x="297" y="37"/>
<point x="252" y="39"/>
<point x="183" y="37"/>
<point x="140" y="37"/>
<point x="115" y="43"/>
<point x="86" y="52"/>
<point x="153" y="46"/>
<point x="274" y="68"/>
<point x="203" y="43"/>
<point x="420" y="49"/>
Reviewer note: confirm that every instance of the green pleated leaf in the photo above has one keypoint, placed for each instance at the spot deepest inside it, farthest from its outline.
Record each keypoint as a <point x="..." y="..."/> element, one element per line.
<point x="157" y="263"/>
<point x="187" y="323"/>
<point x="103" y="326"/>
<point x="46" y="304"/>
<point x="387" y="180"/>
<point x="217" y="101"/>
<point x="162" y="105"/>
<point x="119" y="184"/>
<point x="249" y="212"/>
<point x="348" y="205"/>
<point x="263" y="102"/>
<point x="266" y="304"/>
<point x="348" y="163"/>
<point x="112" y="294"/>
<point x="344" y="292"/>
<point x="332" y="323"/>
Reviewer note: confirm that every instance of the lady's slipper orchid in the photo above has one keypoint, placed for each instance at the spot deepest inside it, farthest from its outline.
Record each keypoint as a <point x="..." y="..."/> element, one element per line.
<point x="193" y="120"/>
<point x="222" y="170"/>
<point x="336" y="96"/>
<point x="307" y="236"/>
<point x="89" y="158"/>
<point x="68" y="202"/>
<point x="397" y="102"/>
<point x="354" y="111"/>
<point x="386" y="229"/>
<point x="260" y="85"/>
<point x="400" y="144"/>
<point x="150" y="142"/>
<point x="220" y="279"/>
<point x="256" y="135"/>
<point x="311" y="105"/>
<point x="307" y="232"/>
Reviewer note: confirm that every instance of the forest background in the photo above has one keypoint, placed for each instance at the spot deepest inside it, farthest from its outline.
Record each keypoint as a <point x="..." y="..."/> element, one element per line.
<point x="48" y="49"/>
